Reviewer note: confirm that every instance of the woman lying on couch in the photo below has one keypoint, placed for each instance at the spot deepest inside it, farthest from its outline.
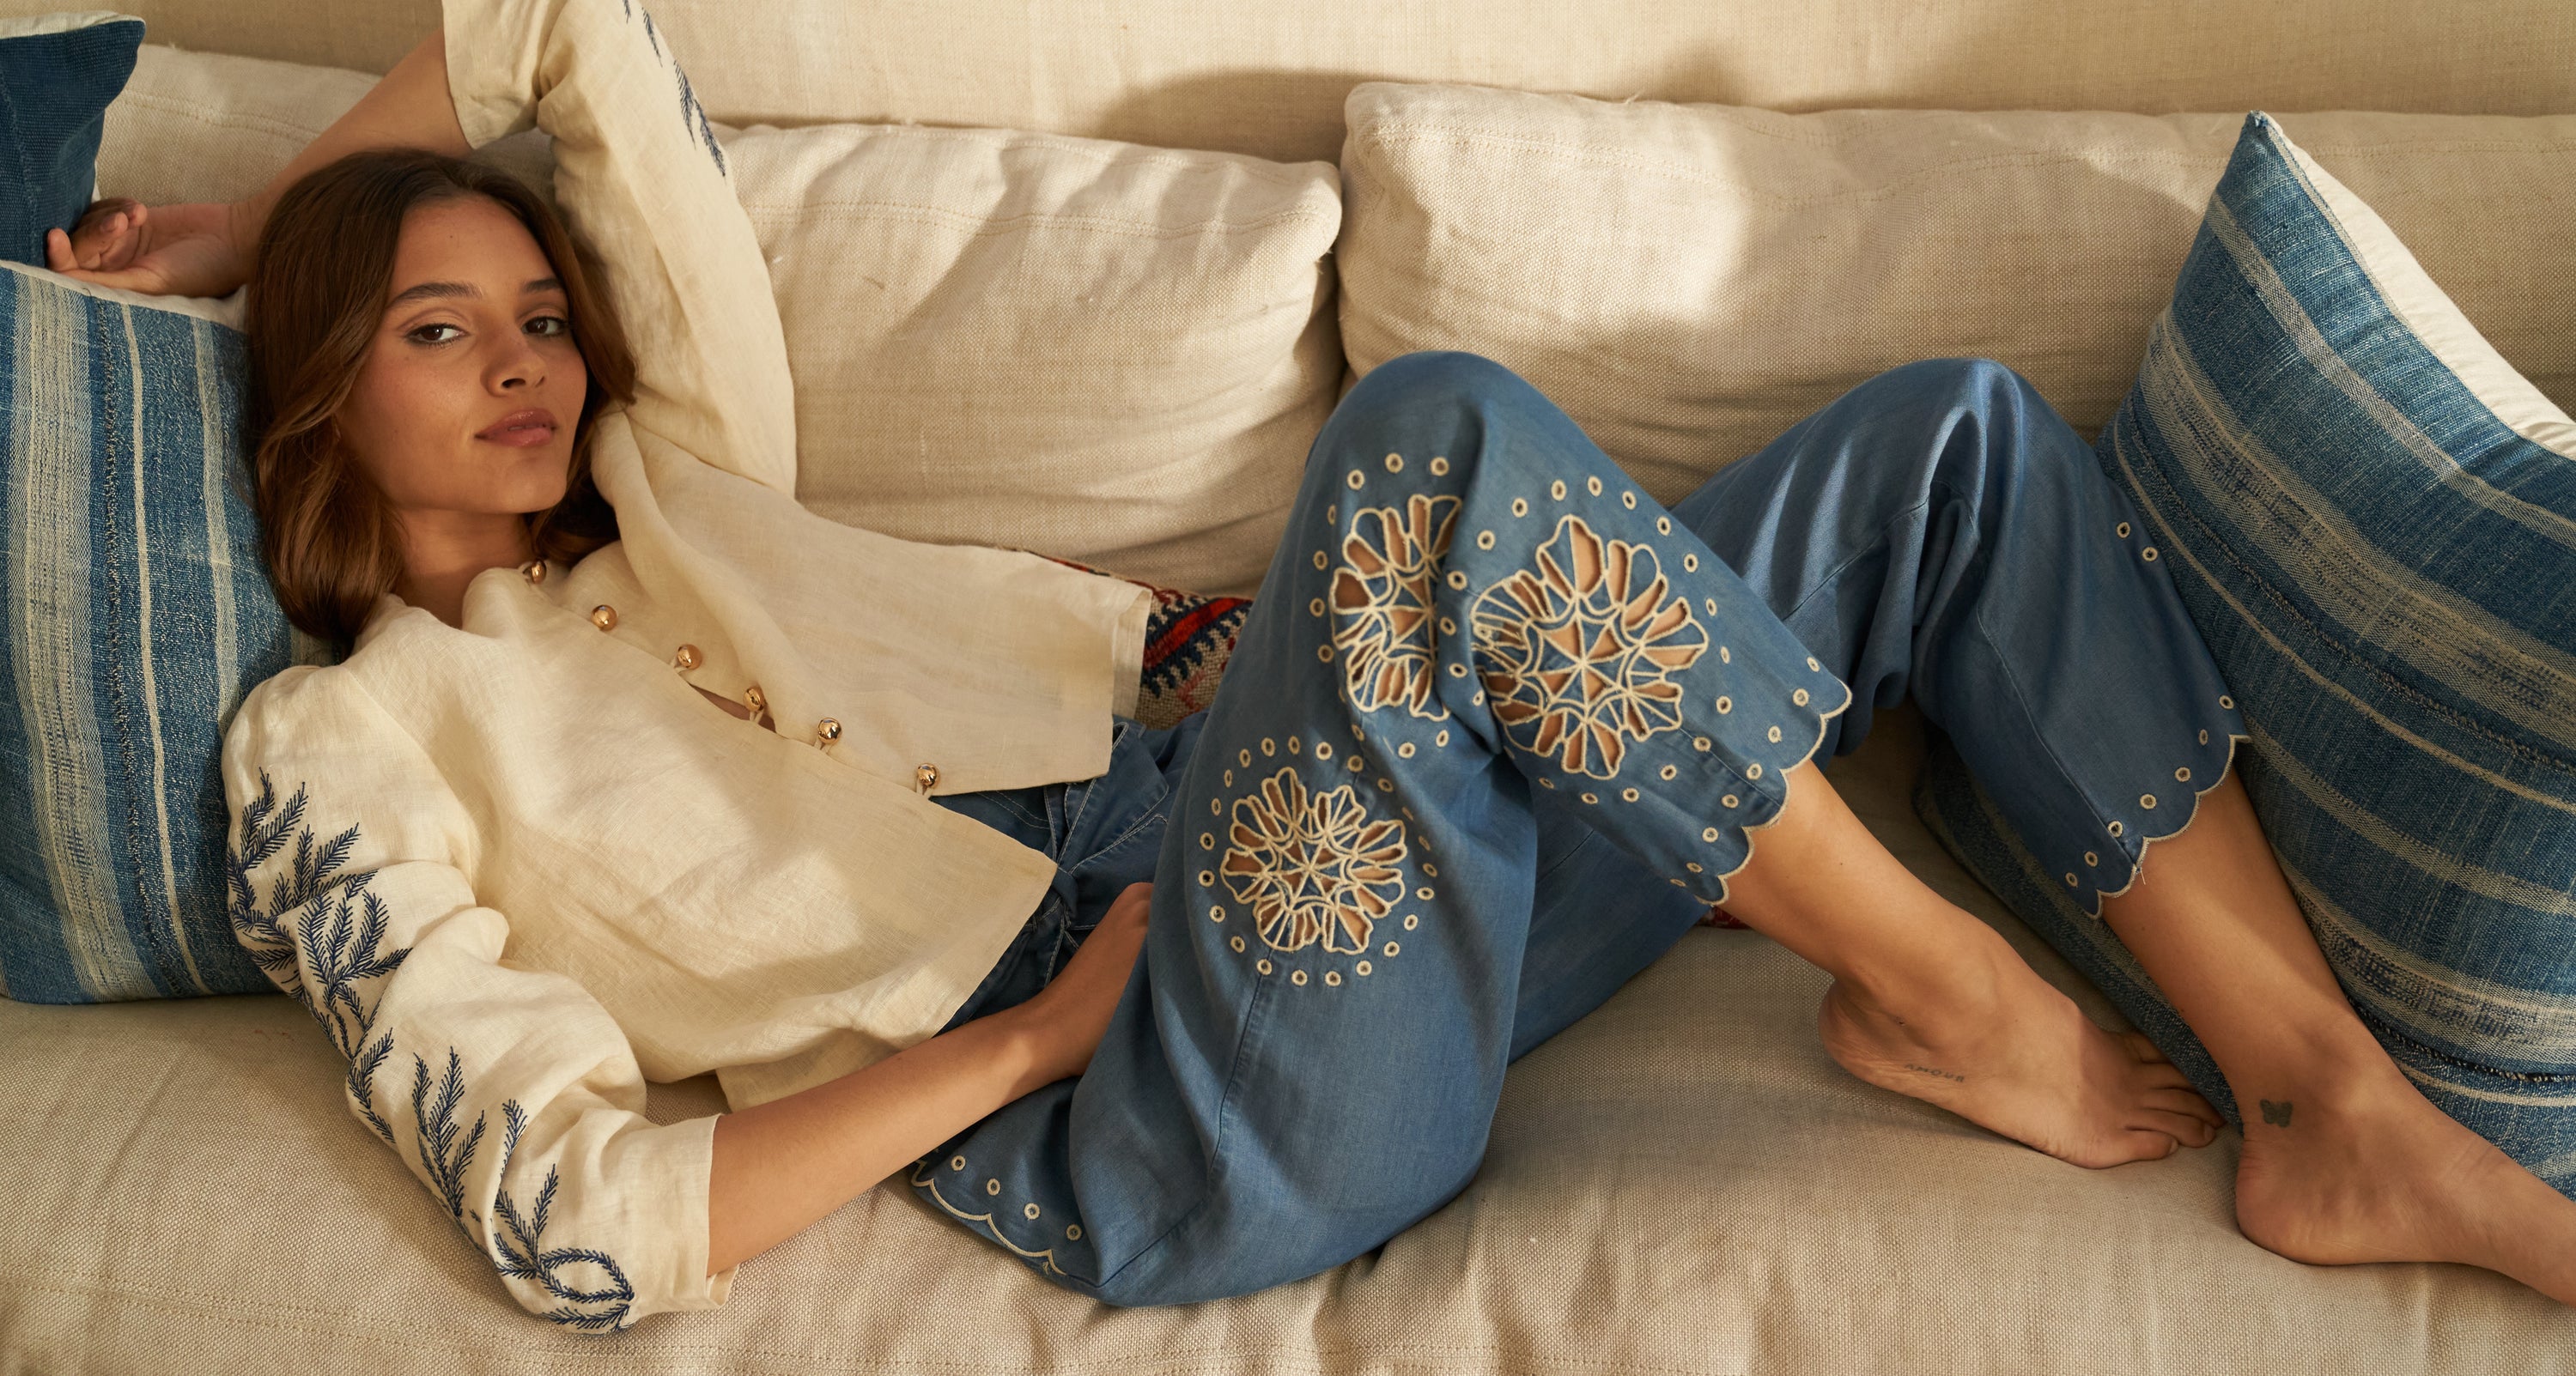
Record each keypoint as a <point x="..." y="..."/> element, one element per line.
<point x="635" y="770"/>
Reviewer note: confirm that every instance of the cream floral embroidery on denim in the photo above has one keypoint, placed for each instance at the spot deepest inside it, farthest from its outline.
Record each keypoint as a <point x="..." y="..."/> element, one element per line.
<point x="1578" y="652"/>
<point x="1382" y="614"/>
<point x="1312" y="864"/>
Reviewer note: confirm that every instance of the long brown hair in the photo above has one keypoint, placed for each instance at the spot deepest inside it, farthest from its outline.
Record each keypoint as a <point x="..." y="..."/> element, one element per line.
<point x="317" y="295"/>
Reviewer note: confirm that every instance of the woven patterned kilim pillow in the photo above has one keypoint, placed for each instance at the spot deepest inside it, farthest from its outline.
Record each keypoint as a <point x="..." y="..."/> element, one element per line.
<point x="2372" y="518"/>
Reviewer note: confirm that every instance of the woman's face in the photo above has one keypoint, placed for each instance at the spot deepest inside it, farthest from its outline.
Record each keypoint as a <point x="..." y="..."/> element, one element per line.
<point x="466" y="404"/>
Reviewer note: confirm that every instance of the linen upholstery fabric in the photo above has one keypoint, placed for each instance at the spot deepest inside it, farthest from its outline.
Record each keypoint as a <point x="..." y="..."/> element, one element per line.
<point x="57" y="75"/>
<point x="1680" y="1182"/>
<point x="1098" y="351"/>
<point x="2373" y="521"/>
<point x="1106" y="352"/>
<point x="1252" y="76"/>
<point x="1688" y="281"/>
<point x="134" y="613"/>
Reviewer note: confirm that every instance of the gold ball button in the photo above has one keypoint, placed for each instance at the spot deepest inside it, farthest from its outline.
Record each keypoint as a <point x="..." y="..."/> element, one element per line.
<point x="925" y="777"/>
<point x="755" y="699"/>
<point x="534" y="570"/>
<point x="604" y="617"/>
<point x="828" y="729"/>
<point x="688" y="657"/>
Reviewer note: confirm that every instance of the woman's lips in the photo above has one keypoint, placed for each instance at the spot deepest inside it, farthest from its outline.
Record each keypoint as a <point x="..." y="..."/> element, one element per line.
<point x="521" y="428"/>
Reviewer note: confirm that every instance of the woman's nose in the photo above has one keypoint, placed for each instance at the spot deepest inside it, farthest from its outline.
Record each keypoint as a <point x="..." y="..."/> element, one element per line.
<point x="521" y="366"/>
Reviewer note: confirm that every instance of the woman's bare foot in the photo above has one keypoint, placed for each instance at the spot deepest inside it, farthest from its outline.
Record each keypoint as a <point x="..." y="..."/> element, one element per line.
<point x="2002" y="1048"/>
<point x="2369" y="1170"/>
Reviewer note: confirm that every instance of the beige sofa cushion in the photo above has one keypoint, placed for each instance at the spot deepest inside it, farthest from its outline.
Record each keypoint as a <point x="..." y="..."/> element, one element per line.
<point x="1094" y="350"/>
<point x="1262" y="77"/>
<point x="1688" y="280"/>
<point x="1679" y="1182"/>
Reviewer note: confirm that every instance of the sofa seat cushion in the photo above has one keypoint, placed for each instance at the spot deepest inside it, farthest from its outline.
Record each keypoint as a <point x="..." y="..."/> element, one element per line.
<point x="1679" y="1182"/>
<point x="1689" y="280"/>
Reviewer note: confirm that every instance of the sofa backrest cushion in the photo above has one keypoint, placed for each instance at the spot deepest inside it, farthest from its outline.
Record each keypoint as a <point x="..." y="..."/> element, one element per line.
<point x="1092" y="350"/>
<point x="1688" y="280"/>
<point x="134" y="613"/>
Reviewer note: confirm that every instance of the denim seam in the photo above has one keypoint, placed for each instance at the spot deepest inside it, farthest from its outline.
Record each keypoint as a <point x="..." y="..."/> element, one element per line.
<point x="1876" y="546"/>
<point x="1216" y="1148"/>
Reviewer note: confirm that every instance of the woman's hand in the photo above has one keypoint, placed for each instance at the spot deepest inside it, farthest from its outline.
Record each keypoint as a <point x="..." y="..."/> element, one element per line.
<point x="195" y="249"/>
<point x="1068" y="1017"/>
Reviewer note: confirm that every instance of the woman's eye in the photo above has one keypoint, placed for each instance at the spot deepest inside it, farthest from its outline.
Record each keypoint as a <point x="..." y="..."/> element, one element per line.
<point x="422" y="334"/>
<point x="549" y="326"/>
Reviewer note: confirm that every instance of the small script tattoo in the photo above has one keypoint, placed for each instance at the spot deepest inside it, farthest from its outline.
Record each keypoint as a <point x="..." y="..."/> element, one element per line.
<point x="1946" y="1075"/>
<point x="2278" y="1115"/>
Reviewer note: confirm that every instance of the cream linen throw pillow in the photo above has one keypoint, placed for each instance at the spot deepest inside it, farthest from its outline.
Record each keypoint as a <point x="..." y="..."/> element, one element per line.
<point x="1094" y="350"/>
<point x="1689" y="280"/>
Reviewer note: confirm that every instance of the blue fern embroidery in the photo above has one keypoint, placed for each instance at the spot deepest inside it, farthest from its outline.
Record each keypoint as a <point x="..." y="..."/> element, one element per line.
<point x="692" y="114"/>
<point x="340" y="926"/>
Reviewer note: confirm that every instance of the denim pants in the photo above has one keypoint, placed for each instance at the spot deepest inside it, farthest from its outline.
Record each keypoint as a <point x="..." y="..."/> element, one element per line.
<point x="1493" y="735"/>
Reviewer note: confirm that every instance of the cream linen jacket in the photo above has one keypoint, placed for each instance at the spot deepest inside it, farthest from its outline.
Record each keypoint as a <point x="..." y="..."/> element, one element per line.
<point x="518" y="868"/>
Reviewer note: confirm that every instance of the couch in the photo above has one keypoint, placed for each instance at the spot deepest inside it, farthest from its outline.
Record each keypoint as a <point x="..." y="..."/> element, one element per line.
<point x="1680" y="1182"/>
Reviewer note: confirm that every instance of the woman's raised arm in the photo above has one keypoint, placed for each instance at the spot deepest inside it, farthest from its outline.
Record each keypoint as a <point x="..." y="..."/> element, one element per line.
<point x="205" y="249"/>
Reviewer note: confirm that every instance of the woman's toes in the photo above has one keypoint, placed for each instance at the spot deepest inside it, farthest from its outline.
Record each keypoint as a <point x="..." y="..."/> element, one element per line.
<point x="2187" y="1103"/>
<point x="2184" y="1128"/>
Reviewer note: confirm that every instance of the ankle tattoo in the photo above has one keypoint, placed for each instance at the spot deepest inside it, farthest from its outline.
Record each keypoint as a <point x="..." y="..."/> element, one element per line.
<point x="2278" y="1115"/>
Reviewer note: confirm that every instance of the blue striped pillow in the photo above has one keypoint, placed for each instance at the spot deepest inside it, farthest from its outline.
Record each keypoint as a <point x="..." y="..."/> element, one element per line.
<point x="136" y="616"/>
<point x="2372" y="518"/>
<point x="58" y="73"/>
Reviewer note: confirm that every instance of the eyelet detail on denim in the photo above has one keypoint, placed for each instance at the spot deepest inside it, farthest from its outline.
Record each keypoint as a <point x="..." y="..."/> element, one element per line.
<point x="1297" y="977"/>
<point x="1799" y="697"/>
<point x="1592" y="797"/>
<point x="2115" y="829"/>
<point x="2070" y="879"/>
<point x="1727" y="801"/>
<point x="1708" y="833"/>
<point x="992" y="1187"/>
<point x="1029" y="1211"/>
<point x="1520" y="506"/>
<point x="1667" y="771"/>
<point x="1775" y="735"/>
<point x="1264" y="966"/>
<point x="1556" y="490"/>
<point x="2091" y="859"/>
<point x="2124" y="530"/>
<point x="2227" y="703"/>
<point x="2148" y="554"/>
<point x="1236" y="943"/>
<point x="1395" y="463"/>
<point x="2182" y="776"/>
<point x="1355" y="479"/>
<point x="1725" y="705"/>
<point x="1699" y="742"/>
<point x="1362" y="968"/>
<point x="1332" y="976"/>
<point x="2147" y="800"/>
<point x="1439" y="465"/>
<point x="1627" y="795"/>
<point x="1073" y="1232"/>
<point x="1753" y="771"/>
<point x="1390" y="949"/>
<point x="1412" y="920"/>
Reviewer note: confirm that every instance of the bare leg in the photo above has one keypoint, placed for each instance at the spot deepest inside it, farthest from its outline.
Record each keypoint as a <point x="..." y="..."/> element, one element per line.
<point x="1930" y="1002"/>
<point x="2344" y="1161"/>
